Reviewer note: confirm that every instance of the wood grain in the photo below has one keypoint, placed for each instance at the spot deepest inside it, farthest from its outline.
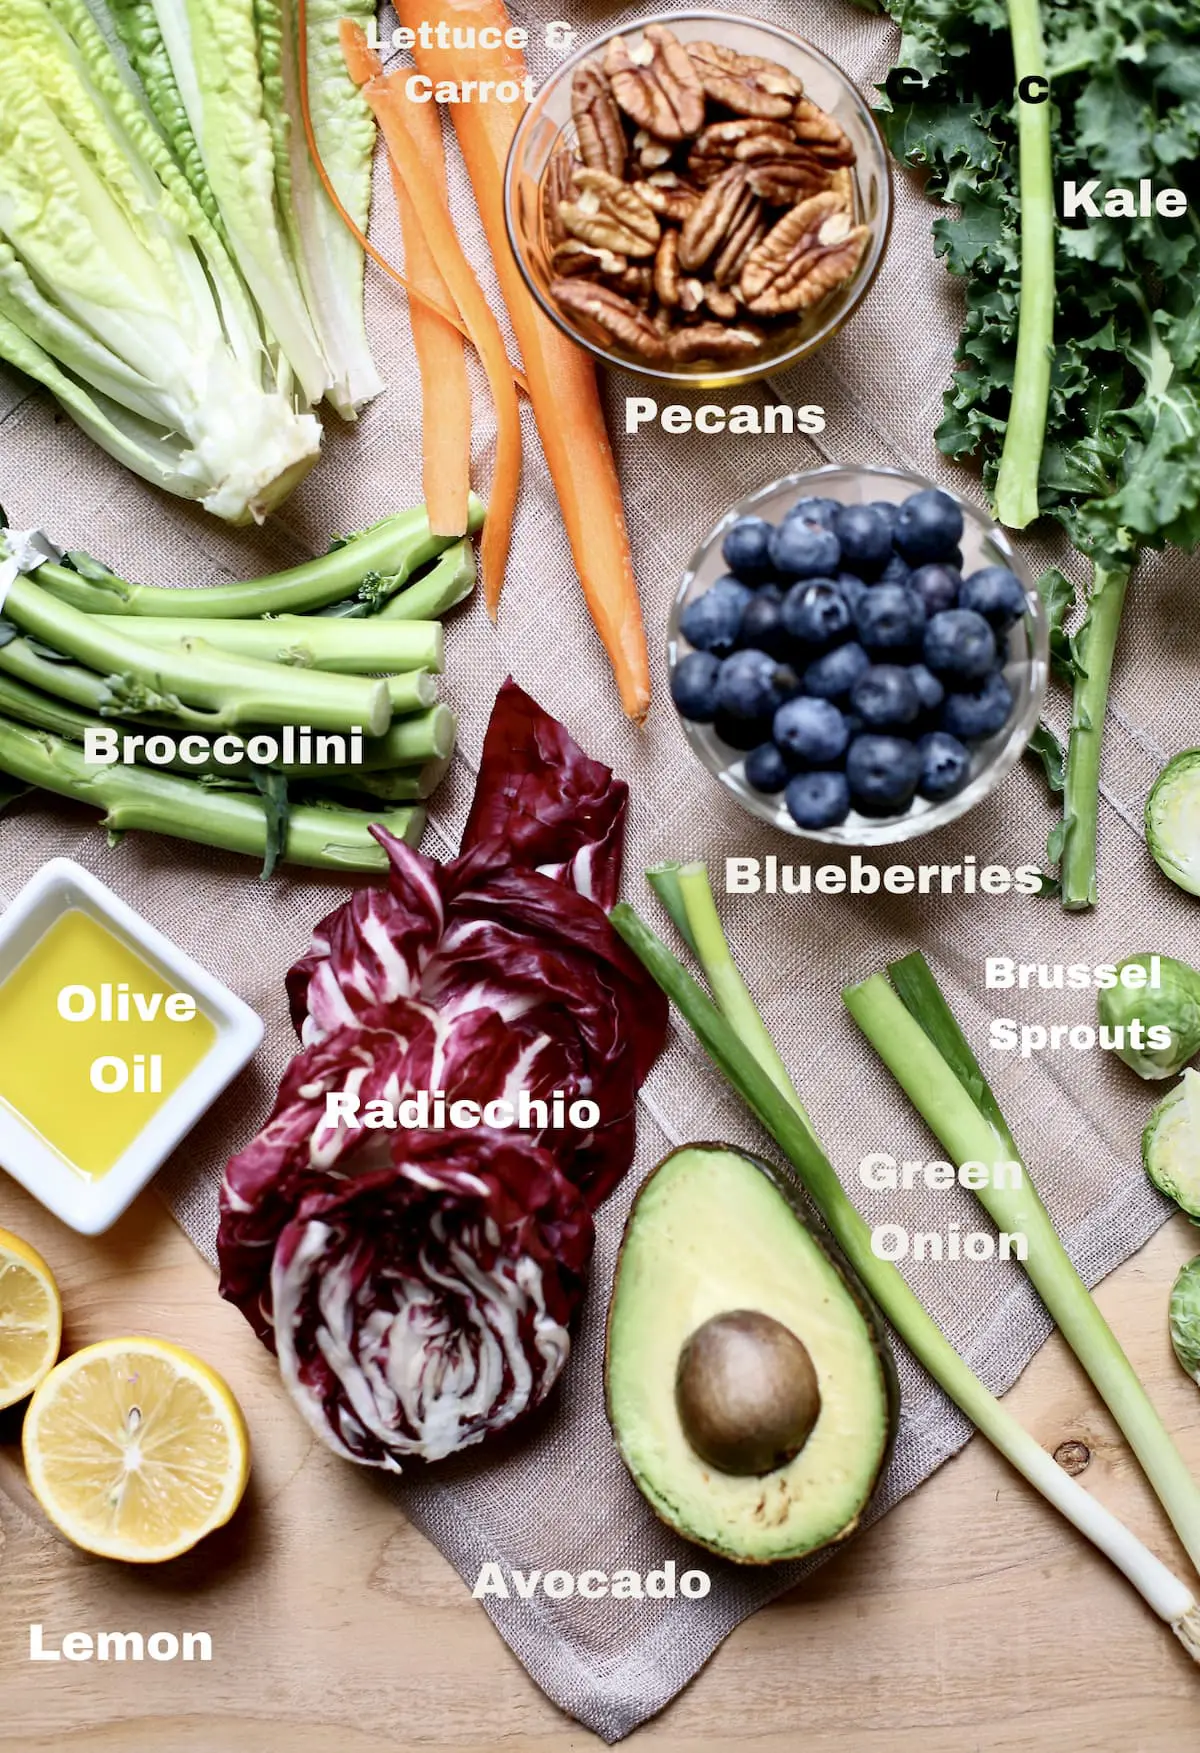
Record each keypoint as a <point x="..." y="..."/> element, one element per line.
<point x="971" y="1618"/>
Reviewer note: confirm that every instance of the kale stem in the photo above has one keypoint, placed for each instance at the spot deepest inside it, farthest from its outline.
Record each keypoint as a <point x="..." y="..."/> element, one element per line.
<point x="1095" y="646"/>
<point x="1016" y="497"/>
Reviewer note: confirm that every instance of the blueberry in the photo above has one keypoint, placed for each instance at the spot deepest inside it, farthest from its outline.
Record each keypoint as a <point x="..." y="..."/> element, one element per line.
<point x="981" y="713"/>
<point x="747" y="549"/>
<point x="832" y="676"/>
<point x="818" y="800"/>
<point x="930" y="691"/>
<point x="766" y="769"/>
<point x="885" y="697"/>
<point x="888" y="509"/>
<point x="816" y="613"/>
<point x="804" y="550"/>
<point x="752" y="684"/>
<point x="810" y="732"/>
<point x="959" y="645"/>
<point x="929" y="526"/>
<point x="897" y="571"/>
<point x="938" y="586"/>
<point x="712" y="622"/>
<point x="742" y="733"/>
<point x="814" y="511"/>
<point x="945" y="765"/>
<point x="762" y="623"/>
<point x="882" y="773"/>
<point x="995" y="593"/>
<point x="865" y="536"/>
<point x="694" y="686"/>
<point x="851" y="587"/>
<point x="890" y="618"/>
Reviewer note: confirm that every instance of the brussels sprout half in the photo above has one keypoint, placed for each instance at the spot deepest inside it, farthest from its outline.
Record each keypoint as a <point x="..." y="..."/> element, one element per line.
<point x="1171" y="1145"/>
<point x="1183" y="1314"/>
<point x="1173" y="1004"/>
<point x="1173" y="820"/>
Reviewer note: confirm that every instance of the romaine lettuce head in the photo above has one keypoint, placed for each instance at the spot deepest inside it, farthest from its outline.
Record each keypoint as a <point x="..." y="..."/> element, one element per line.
<point x="116" y="291"/>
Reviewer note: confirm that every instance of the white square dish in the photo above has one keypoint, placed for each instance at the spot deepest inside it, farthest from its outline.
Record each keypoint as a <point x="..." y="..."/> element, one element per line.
<point x="91" y="1204"/>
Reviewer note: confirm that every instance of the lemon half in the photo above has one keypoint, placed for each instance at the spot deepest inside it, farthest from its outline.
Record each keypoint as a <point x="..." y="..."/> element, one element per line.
<point x="30" y="1319"/>
<point x="136" y="1450"/>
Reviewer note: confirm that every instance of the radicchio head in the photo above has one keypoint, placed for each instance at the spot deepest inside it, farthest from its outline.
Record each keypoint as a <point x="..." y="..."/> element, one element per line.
<point x="425" y="1305"/>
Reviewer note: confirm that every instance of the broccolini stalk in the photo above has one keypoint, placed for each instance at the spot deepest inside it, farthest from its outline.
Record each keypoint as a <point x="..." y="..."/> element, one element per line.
<point x="82" y="687"/>
<point x="783" y="1117"/>
<point x="361" y="648"/>
<point x="918" y="1039"/>
<point x="231" y="690"/>
<point x="376" y="563"/>
<point x="1016" y="496"/>
<point x="390" y="785"/>
<point x="400" y="782"/>
<point x="443" y="586"/>
<point x="421" y="736"/>
<point x="327" y="838"/>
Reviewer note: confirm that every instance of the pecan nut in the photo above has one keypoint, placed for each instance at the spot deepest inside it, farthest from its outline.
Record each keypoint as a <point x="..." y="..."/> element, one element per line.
<point x="721" y="302"/>
<point x="746" y="84"/>
<point x="722" y="212"/>
<point x="620" y="319"/>
<point x="656" y="83"/>
<point x="816" y="129"/>
<point x="574" y="257"/>
<point x="668" y="194"/>
<point x="813" y="248"/>
<point x="559" y="186"/>
<point x="667" y="279"/>
<point x="651" y="154"/>
<point x="715" y="341"/>
<point x="728" y="265"/>
<point x="724" y="143"/>
<point x="610" y="215"/>
<point x="790" y="177"/>
<point x="636" y="281"/>
<point x="598" y="129"/>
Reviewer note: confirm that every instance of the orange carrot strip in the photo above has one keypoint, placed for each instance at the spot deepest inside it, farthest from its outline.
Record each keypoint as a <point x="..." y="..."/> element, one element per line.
<point x="445" y="389"/>
<point x="314" y="152"/>
<point x="562" y="378"/>
<point x="362" y="63"/>
<point x="386" y="98"/>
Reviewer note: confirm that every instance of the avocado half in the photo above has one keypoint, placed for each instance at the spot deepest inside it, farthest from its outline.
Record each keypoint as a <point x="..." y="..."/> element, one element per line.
<point x="714" y="1231"/>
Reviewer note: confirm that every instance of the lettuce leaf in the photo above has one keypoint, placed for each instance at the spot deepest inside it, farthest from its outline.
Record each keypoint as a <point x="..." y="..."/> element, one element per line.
<point x="116" y="290"/>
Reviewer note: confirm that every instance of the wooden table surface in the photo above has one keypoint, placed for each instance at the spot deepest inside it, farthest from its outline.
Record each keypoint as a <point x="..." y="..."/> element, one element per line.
<point x="971" y="1618"/>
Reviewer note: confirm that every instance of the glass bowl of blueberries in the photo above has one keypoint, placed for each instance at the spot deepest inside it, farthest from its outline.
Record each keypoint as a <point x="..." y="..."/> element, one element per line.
<point x="857" y="655"/>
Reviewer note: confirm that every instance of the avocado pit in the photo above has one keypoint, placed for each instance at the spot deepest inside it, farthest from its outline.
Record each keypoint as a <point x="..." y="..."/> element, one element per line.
<point x="746" y="1392"/>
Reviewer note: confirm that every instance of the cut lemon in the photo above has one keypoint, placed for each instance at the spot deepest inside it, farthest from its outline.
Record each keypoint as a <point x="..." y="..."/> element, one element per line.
<point x="135" y="1449"/>
<point x="30" y="1319"/>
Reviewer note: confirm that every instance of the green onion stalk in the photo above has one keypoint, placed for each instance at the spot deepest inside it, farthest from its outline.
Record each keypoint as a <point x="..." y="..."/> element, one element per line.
<point x="376" y="564"/>
<point x="727" y="1038"/>
<point x="1016" y="495"/>
<point x="327" y="838"/>
<point x="914" y="1032"/>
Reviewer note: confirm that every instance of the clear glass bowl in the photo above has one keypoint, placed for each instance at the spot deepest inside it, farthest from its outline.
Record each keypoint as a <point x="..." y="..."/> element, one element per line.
<point x="983" y="544"/>
<point x="547" y="124"/>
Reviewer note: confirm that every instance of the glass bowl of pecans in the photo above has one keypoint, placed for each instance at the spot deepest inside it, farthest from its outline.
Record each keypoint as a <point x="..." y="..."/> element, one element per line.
<point x="702" y="198"/>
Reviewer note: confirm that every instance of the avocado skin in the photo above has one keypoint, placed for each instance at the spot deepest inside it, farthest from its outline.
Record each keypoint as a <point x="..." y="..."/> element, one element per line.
<point x="788" y="1189"/>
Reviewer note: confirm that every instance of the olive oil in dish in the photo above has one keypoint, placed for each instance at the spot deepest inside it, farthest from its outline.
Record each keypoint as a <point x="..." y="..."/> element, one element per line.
<point x="93" y="1041"/>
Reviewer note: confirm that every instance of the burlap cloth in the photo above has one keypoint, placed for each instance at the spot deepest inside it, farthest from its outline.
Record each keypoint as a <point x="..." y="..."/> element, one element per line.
<point x="559" y="1497"/>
